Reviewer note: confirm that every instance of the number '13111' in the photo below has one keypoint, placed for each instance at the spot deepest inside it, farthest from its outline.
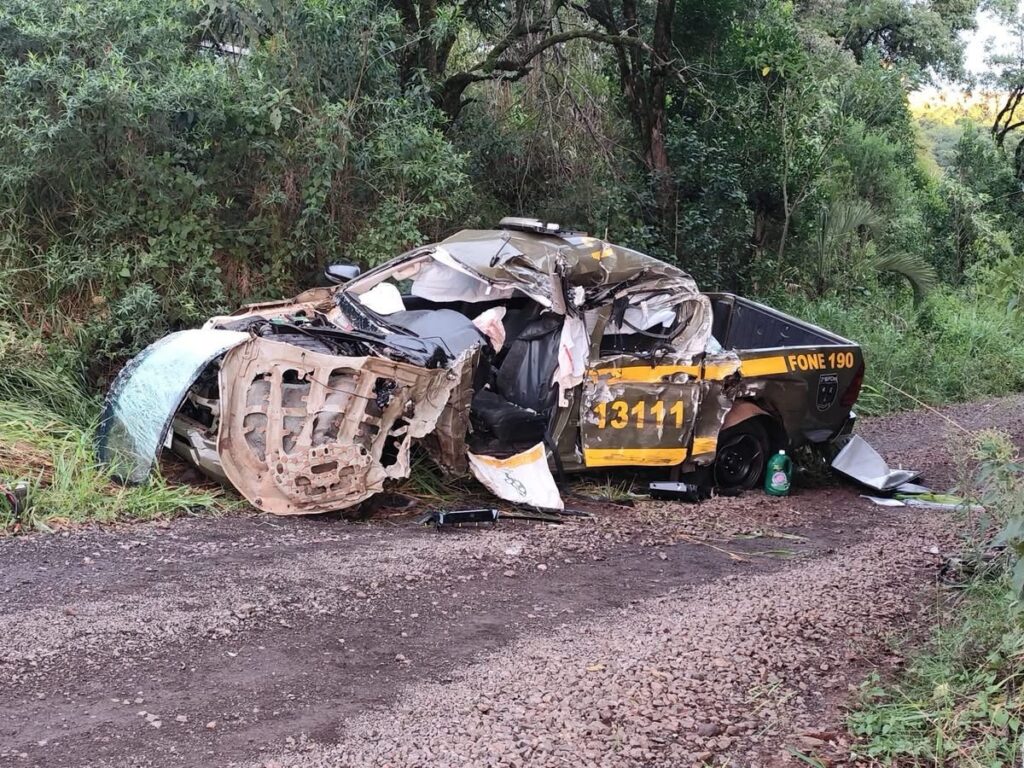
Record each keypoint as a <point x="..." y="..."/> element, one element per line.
<point x="618" y="414"/>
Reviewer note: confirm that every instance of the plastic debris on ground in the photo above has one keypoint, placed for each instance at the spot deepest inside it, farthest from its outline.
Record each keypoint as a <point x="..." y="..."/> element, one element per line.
<point x="672" y="491"/>
<point x="883" y="501"/>
<point x="523" y="478"/>
<point x="925" y="500"/>
<point x="441" y="517"/>
<point x="862" y="463"/>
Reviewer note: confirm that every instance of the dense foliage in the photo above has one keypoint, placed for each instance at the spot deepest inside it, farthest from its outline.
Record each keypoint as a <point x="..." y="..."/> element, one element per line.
<point x="160" y="161"/>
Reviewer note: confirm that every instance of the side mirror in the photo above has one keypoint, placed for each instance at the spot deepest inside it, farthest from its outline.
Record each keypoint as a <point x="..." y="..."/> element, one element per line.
<point x="341" y="273"/>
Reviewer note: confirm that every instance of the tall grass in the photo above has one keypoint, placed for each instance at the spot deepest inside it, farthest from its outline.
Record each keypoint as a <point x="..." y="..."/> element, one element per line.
<point x="56" y="458"/>
<point x="950" y="348"/>
<point x="47" y="429"/>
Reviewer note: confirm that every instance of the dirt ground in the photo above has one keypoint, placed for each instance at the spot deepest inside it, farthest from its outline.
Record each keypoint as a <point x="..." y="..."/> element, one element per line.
<point x="725" y="633"/>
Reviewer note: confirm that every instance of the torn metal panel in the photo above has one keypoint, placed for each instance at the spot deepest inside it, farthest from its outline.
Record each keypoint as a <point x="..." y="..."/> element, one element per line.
<point x="859" y="461"/>
<point x="146" y="394"/>
<point x="531" y="263"/>
<point x="308" y="302"/>
<point x="442" y="278"/>
<point x="446" y="445"/>
<point x="523" y="478"/>
<point x="715" y="404"/>
<point x="304" y="432"/>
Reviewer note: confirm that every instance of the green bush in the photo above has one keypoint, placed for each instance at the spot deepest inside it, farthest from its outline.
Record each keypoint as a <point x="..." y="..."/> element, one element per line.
<point x="959" y="702"/>
<point x="148" y="180"/>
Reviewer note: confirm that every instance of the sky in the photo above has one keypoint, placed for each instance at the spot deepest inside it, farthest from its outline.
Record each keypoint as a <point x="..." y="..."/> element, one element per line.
<point x="990" y="33"/>
<point x="990" y="36"/>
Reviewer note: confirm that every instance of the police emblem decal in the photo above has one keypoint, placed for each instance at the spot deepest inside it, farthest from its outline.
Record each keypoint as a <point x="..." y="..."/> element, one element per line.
<point x="828" y="390"/>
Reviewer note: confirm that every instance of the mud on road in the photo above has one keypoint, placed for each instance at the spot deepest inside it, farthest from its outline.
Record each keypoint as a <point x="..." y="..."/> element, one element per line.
<point x="724" y="633"/>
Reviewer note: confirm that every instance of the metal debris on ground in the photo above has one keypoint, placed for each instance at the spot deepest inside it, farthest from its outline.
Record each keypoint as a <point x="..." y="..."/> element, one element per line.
<point x="665" y="490"/>
<point x="925" y="500"/>
<point x="441" y="517"/>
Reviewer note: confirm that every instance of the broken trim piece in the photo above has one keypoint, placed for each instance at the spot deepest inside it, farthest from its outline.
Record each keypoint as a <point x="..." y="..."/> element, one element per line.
<point x="859" y="461"/>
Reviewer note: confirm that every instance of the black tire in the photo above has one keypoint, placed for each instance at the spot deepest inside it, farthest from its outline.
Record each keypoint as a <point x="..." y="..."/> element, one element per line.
<point x="742" y="456"/>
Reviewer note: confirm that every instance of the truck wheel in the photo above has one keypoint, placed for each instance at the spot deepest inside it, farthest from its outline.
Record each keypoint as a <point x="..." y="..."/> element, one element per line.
<point x="742" y="456"/>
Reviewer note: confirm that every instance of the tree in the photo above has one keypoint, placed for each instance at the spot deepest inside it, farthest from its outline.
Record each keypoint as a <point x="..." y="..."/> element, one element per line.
<point x="503" y="42"/>
<point x="641" y="38"/>
<point x="1008" y="78"/>
<point x="922" y="32"/>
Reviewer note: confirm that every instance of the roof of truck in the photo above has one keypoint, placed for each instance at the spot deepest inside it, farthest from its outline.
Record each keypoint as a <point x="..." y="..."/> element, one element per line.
<point x="516" y="254"/>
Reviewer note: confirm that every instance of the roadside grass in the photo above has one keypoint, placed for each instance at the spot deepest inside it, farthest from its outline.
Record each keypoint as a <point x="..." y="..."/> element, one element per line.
<point x="54" y="456"/>
<point x="47" y="427"/>
<point x="427" y="483"/>
<point x="960" y="699"/>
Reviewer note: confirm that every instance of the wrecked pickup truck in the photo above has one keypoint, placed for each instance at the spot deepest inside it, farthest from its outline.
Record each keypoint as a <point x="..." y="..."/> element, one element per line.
<point x="514" y="354"/>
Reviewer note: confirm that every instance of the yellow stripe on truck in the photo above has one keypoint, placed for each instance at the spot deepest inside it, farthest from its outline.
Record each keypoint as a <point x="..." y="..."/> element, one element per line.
<point x="763" y="366"/>
<point x="718" y="371"/>
<point x="654" y="374"/>
<point x="704" y="445"/>
<point x="536" y="453"/>
<point x="642" y="374"/>
<point x="650" y="457"/>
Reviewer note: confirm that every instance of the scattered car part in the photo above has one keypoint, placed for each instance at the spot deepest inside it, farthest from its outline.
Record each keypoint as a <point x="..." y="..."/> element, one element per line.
<point x="859" y="461"/>
<point x="912" y="488"/>
<point x="938" y="501"/>
<point x="440" y="517"/>
<point x="522" y="478"/>
<point x="672" y="491"/>
<point x="555" y="517"/>
<point x="883" y="501"/>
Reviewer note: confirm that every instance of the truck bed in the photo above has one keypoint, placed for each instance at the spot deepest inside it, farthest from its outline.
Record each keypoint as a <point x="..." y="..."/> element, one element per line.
<point x="742" y="324"/>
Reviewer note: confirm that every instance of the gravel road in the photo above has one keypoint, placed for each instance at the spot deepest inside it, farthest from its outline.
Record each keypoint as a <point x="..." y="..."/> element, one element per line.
<point x="727" y="633"/>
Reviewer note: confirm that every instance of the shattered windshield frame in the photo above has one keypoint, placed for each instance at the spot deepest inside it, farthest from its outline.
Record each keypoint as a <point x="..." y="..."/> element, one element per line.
<point x="140" y="407"/>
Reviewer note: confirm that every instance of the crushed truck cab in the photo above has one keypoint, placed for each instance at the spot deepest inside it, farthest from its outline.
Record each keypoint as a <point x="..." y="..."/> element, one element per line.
<point x="510" y="354"/>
